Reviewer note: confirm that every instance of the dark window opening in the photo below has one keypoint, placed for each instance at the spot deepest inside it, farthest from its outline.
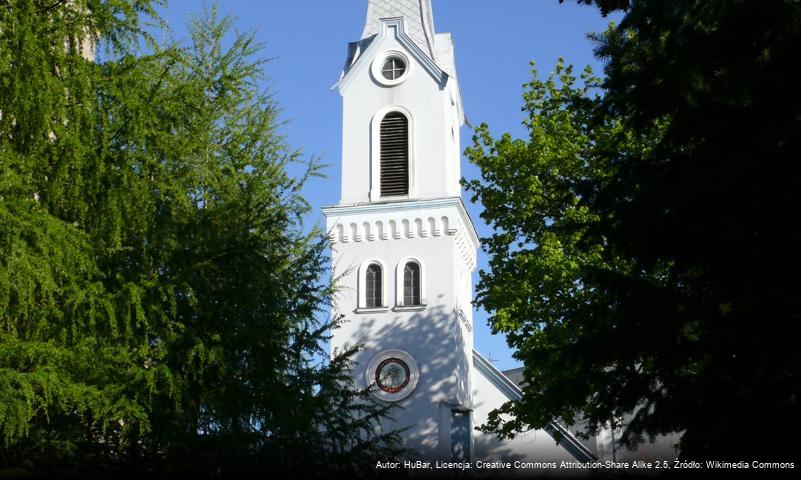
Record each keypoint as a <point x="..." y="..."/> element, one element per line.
<point x="393" y="68"/>
<point x="373" y="286"/>
<point x="394" y="155"/>
<point x="411" y="284"/>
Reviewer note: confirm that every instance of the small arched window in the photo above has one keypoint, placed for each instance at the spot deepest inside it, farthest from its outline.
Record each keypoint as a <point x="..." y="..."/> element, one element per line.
<point x="394" y="143"/>
<point x="373" y="286"/>
<point x="411" y="284"/>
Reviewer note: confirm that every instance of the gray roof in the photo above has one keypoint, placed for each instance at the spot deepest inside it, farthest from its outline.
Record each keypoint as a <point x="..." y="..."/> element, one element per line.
<point x="515" y="375"/>
<point x="417" y="18"/>
<point x="434" y="51"/>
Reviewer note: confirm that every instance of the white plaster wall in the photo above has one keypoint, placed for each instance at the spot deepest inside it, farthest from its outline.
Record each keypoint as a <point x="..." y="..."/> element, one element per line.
<point x="661" y="448"/>
<point x="534" y="446"/>
<point x="434" y="147"/>
<point x="436" y="337"/>
<point x="430" y="226"/>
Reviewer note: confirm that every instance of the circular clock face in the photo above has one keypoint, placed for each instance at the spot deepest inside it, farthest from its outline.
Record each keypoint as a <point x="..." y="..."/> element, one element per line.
<point x="394" y="375"/>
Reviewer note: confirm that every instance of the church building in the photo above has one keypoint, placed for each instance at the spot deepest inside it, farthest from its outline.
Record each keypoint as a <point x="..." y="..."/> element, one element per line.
<point x="404" y="247"/>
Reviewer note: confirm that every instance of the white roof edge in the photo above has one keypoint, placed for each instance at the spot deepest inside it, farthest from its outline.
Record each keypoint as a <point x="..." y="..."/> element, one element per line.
<point x="429" y="65"/>
<point x="450" y="68"/>
<point x="513" y="392"/>
<point x="427" y="15"/>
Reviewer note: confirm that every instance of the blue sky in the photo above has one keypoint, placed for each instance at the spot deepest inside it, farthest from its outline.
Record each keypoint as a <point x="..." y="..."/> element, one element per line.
<point x="495" y="41"/>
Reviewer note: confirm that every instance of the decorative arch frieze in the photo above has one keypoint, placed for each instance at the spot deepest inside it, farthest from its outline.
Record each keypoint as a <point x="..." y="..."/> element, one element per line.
<point x="406" y="227"/>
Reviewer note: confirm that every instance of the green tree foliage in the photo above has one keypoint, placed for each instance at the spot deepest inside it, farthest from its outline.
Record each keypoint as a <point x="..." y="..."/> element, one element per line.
<point x="160" y="300"/>
<point x="645" y="250"/>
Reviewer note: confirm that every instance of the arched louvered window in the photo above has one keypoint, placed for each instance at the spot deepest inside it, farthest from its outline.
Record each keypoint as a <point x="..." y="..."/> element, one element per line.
<point x="373" y="286"/>
<point x="411" y="284"/>
<point x="394" y="155"/>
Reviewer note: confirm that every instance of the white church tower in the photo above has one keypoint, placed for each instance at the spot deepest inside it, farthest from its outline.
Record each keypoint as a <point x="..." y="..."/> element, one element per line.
<point x="404" y="247"/>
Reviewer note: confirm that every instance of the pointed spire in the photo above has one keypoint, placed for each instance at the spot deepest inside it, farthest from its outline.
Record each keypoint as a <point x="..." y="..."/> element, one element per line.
<point x="417" y="19"/>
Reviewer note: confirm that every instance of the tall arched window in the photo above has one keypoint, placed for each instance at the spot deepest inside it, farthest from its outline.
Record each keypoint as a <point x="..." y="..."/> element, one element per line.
<point x="411" y="284"/>
<point x="373" y="286"/>
<point x="394" y="155"/>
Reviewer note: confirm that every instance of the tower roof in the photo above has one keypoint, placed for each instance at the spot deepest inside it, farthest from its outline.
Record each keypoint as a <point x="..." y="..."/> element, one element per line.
<point x="417" y="18"/>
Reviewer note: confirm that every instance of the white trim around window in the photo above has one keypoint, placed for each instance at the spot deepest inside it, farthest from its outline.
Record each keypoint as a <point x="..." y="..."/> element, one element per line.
<point x="362" y="287"/>
<point x="378" y="64"/>
<point x="375" y="153"/>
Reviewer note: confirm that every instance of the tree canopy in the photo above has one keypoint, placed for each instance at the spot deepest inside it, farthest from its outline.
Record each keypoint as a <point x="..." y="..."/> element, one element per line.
<point x="162" y="305"/>
<point x="645" y="251"/>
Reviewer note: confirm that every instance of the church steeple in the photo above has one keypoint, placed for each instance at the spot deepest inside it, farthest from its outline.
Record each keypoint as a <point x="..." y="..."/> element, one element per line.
<point x="416" y="15"/>
<point x="403" y="245"/>
<point x="402" y="108"/>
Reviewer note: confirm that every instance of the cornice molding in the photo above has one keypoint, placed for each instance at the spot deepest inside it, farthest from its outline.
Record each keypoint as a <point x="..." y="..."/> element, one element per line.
<point x="404" y="206"/>
<point x="373" y="222"/>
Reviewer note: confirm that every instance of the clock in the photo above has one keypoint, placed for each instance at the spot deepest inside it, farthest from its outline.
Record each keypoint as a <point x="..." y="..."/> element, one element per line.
<point x="394" y="375"/>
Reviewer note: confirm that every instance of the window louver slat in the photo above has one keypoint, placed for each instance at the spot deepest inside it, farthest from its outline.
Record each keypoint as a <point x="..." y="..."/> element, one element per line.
<point x="394" y="155"/>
